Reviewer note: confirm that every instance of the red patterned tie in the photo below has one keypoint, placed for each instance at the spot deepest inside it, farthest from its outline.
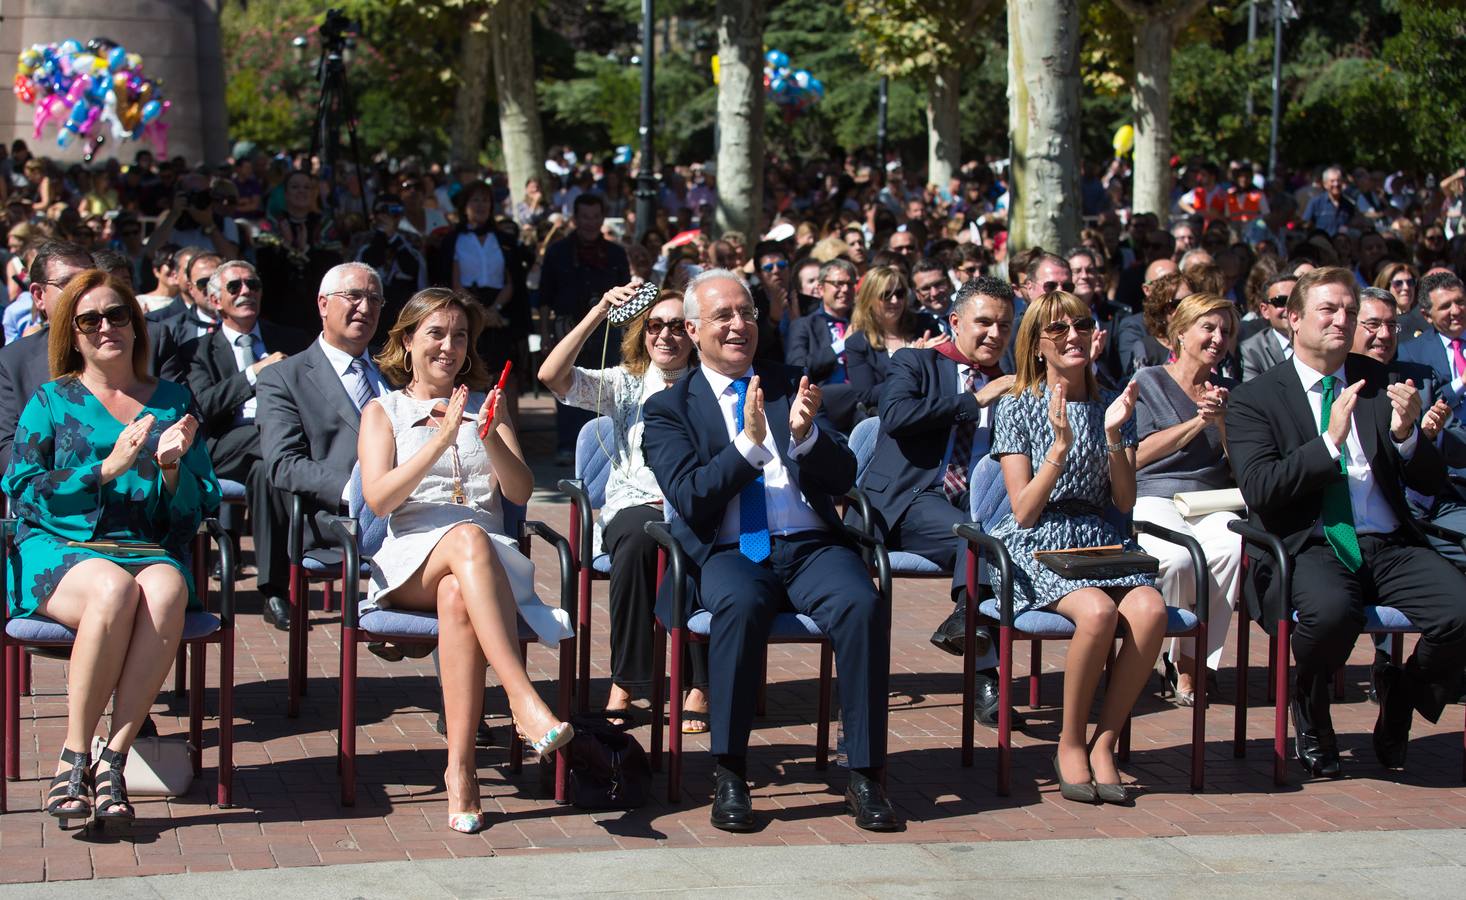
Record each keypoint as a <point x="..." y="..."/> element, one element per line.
<point x="954" y="480"/>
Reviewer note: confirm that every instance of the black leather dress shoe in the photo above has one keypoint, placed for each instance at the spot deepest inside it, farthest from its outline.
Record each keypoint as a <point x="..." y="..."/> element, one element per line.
<point x="732" y="806"/>
<point x="866" y="800"/>
<point x="1318" y="750"/>
<point x="951" y="635"/>
<point x="277" y="612"/>
<point x="1392" y="728"/>
<point x="986" y="707"/>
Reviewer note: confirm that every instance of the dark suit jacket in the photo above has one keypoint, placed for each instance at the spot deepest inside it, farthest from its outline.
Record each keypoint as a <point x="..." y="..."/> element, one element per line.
<point x="308" y="427"/>
<point x="808" y="347"/>
<point x="866" y="367"/>
<point x="25" y="366"/>
<point x="219" y="387"/>
<point x="1283" y="466"/>
<point x="919" y="406"/>
<point x="171" y="311"/>
<point x="701" y="472"/>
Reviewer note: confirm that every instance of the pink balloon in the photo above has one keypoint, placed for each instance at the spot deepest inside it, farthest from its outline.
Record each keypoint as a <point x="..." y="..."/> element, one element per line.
<point x="47" y="108"/>
<point x="157" y="132"/>
<point x="77" y="91"/>
<point x="91" y="119"/>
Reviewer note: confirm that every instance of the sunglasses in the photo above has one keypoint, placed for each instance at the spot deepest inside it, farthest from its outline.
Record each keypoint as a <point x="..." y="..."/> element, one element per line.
<point x="1278" y="302"/>
<point x="894" y="294"/>
<point x="678" y="327"/>
<point x="1060" y="329"/>
<point x="840" y="285"/>
<point x="201" y="283"/>
<point x="779" y="266"/>
<point x="1402" y="282"/>
<point x="91" y="322"/>
<point x="1051" y="286"/>
<point x="234" y="285"/>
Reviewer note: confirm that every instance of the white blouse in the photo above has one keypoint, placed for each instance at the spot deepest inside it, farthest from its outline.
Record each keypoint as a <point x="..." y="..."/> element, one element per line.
<point x="479" y="264"/>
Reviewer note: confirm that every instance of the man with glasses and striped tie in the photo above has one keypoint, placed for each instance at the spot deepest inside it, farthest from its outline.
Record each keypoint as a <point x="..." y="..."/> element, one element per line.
<point x="752" y="476"/>
<point x="224" y="370"/>
<point x="308" y="407"/>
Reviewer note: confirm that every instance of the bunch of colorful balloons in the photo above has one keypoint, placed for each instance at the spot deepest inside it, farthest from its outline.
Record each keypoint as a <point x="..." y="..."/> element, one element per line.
<point x="78" y="87"/>
<point x="792" y="90"/>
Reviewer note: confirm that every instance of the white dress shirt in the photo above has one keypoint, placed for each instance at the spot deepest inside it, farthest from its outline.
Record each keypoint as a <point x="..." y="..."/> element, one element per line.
<point x="244" y="361"/>
<point x="788" y="511"/>
<point x="480" y="263"/>
<point x="981" y="436"/>
<point x="1372" y="512"/>
<point x="1284" y="345"/>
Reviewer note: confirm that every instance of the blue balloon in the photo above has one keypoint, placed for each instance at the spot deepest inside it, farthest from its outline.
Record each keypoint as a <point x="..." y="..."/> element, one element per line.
<point x="151" y="110"/>
<point x="802" y="78"/>
<point x="817" y="88"/>
<point x="117" y="59"/>
<point x="78" y="114"/>
<point x="70" y="47"/>
<point x="777" y="58"/>
<point x="65" y="136"/>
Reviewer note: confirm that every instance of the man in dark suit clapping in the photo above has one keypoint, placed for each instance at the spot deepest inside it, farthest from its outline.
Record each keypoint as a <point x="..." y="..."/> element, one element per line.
<point x="1322" y="450"/>
<point x="225" y="366"/>
<point x="752" y="479"/>
<point x="816" y="342"/>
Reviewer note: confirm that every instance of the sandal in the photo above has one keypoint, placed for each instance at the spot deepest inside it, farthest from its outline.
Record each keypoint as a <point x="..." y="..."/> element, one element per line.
<point x="695" y="722"/>
<point x="625" y="717"/>
<point x="72" y="787"/>
<point x="111" y="787"/>
<point x="466" y="822"/>
<point x="553" y="740"/>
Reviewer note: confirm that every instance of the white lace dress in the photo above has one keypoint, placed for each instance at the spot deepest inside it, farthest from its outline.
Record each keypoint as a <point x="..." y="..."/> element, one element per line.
<point x="415" y="527"/>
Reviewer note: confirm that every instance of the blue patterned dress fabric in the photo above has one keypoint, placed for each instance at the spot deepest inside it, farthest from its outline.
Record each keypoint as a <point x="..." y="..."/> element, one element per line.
<point x="54" y="487"/>
<point x="1074" y="515"/>
<point x="753" y="516"/>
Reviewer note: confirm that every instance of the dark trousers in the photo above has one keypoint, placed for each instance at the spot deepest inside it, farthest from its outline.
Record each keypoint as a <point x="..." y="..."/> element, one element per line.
<point x="1330" y="602"/>
<point x="826" y="581"/>
<point x="925" y="528"/>
<point x="633" y="597"/>
<point x="269" y="522"/>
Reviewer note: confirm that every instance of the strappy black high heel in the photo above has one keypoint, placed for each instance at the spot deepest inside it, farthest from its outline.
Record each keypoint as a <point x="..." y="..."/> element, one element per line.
<point x="70" y="794"/>
<point x="111" y="789"/>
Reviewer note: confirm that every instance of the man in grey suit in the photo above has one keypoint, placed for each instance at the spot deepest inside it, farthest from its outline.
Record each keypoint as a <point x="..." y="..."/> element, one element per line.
<point x="309" y="405"/>
<point x="1273" y="344"/>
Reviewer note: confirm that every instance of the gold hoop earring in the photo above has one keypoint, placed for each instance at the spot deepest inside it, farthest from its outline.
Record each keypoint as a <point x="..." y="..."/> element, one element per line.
<point x="407" y="361"/>
<point x="467" y="364"/>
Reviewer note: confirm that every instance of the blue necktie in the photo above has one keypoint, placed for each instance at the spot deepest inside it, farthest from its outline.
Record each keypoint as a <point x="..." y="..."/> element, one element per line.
<point x="753" y="519"/>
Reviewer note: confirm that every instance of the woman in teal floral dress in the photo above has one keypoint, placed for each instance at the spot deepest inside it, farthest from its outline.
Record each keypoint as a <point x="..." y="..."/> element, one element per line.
<point x="106" y="454"/>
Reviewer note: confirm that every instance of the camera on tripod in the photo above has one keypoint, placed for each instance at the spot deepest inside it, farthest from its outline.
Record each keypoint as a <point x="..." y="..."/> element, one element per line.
<point x="337" y="30"/>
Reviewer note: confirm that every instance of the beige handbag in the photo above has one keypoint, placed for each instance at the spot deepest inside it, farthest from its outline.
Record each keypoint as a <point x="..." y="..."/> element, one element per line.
<point x="156" y="766"/>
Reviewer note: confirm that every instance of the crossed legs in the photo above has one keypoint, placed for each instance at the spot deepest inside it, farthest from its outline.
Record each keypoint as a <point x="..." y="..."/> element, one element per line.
<point x="127" y="631"/>
<point x="1138" y="619"/>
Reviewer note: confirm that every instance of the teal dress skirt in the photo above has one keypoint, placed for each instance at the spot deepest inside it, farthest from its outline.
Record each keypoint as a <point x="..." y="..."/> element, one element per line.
<point x="56" y="494"/>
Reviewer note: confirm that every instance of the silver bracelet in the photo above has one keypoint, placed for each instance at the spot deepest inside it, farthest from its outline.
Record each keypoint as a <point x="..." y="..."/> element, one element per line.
<point x="1115" y="448"/>
<point x="1058" y="466"/>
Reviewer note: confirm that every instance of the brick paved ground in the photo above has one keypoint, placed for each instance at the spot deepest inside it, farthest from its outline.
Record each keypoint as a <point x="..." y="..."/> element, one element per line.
<point x="288" y="812"/>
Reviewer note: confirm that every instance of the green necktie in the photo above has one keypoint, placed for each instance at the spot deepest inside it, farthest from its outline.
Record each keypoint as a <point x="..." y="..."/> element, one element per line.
<point x="1338" y="512"/>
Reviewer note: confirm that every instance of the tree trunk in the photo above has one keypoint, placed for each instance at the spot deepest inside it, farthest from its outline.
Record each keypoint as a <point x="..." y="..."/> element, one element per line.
<point x="1152" y="110"/>
<point x="740" y="117"/>
<point x="473" y="88"/>
<point x="944" y="125"/>
<point x="519" y="114"/>
<point x="1043" y="115"/>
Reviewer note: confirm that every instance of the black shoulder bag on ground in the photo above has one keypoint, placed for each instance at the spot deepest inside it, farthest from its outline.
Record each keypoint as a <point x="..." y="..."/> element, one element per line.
<point x="608" y="768"/>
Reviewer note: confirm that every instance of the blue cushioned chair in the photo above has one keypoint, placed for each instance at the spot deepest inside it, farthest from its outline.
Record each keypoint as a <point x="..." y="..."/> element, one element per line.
<point x="199" y="630"/>
<point x="689" y="625"/>
<point x="231" y="493"/>
<point x="587" y="491"/>
<point x="863" y="444"/>
<point x="1038" y="626"/>
<point x="1377" y="620"/>
<point x="360" y="535"/>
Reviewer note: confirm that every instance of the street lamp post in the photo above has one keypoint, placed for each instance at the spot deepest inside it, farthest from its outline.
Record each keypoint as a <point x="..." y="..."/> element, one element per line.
<point x="646" y="177"/>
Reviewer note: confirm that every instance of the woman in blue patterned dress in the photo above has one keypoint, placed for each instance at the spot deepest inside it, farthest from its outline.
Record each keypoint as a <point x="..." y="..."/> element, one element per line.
<point x="106" y="453"/>
<point x="1068" y="453"/>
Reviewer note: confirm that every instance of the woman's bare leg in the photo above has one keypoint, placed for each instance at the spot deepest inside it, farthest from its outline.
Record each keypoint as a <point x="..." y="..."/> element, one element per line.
<point x="98" y="600"/>
<point x="467" y="553"/>
<point x="1094" y="616"/>
<point x="1143" y="614"/>
<point x="462" y="665"/>
<point x="151" y="650"/>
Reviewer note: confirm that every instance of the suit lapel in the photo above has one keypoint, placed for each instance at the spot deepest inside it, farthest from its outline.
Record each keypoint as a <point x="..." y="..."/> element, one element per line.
<point x="1367" y="415"/>
<point x="331" y="388"/>
<point x="1298" y="408"/>
<point x="946" y="375"/>
<point x="1440" y="363"/>
<point x="707" y="416"/>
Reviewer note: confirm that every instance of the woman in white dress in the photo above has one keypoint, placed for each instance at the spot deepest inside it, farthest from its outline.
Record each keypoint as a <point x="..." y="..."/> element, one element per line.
<point x="424" y="465"/>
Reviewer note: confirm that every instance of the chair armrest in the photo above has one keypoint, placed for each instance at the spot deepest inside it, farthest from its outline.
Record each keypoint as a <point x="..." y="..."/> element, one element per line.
<point x="978" y="540"/>
<point x="876" y="556"/>
<point x="7" y="533"/>
<point x="295" y="540"/>
<point x="1440" y="531"/>
<point x="1272" y="545"/>
<point x="1198" y="560"/>
<point x="580" y="498"/>
<point x="533" y="528"/>
<point x="860" y="503"/>
<point x="677" y="566"/>
<point x="225" y="543"/>
<point x="343" y="530"/>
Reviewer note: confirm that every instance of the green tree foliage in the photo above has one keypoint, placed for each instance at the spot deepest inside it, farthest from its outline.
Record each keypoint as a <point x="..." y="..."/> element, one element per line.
<point x="1430" y="54"/>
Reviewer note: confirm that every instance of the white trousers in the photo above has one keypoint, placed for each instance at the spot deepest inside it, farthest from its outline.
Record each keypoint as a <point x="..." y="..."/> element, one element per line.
<point x="1176" y="580"/>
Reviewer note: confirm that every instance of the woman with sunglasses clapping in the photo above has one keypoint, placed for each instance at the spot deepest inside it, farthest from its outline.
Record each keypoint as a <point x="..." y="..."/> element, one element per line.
<point x="1068" y="457"/>
<point x="656" y="351"/>
<point x="109" y="484"/>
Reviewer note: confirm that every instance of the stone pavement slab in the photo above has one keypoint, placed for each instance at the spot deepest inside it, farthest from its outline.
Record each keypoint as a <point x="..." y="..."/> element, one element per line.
<point x="1334" y="866"/>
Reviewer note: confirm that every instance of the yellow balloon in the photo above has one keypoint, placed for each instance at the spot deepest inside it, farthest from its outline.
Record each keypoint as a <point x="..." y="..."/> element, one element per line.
<point x="1124" y="140"/>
